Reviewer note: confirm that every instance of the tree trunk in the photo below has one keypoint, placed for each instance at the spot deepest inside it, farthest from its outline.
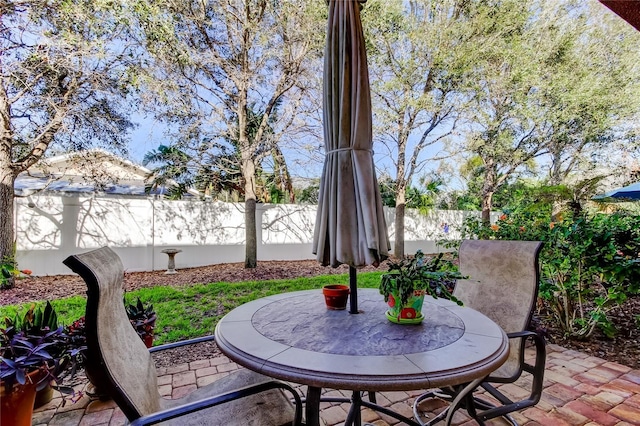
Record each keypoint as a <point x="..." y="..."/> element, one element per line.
<point x="251" y="247"/>
<point x="488" y="189"/>
<point x="554" y="180"/>
<point x="486" y="207"/>
<point x="6" y="211"/>
<point x="398" y="244"/>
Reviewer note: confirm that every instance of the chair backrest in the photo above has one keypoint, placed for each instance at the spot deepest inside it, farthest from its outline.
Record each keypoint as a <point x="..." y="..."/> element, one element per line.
<point x="116" y="356"/>
<point x="503" y="285"/>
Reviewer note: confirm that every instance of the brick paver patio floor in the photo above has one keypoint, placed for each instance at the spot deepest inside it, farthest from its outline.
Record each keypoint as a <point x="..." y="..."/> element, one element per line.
<point x="579" y="390"/>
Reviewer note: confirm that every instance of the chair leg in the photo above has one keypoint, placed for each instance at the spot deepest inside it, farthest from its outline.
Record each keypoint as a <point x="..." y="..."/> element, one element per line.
<point x="460" y="396"/>
<point x="470" y="403"/>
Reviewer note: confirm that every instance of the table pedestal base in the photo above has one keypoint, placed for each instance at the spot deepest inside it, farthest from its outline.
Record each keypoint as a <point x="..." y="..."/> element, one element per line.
<point x="354" y="417"/>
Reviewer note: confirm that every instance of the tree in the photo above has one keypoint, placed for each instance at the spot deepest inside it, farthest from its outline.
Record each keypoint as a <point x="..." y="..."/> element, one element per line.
<point x="423" y="198"/>
<point x="504" y="133"/>
<point x="215" y="66"/>
<point x="592" y="95"/>
<point x="546" y="86"/>
<point x="418" y="63"/>
<point x="65" y="74"/>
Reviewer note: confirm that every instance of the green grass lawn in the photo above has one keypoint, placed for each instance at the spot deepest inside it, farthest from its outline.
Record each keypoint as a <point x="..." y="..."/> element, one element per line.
<point x="192" y="311"/>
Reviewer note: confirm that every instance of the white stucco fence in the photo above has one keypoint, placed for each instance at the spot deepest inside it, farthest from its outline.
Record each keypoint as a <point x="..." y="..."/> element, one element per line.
<point x="50" y="227"/>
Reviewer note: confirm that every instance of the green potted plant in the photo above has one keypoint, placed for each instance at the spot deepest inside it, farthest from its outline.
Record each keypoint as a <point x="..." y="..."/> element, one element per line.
<point x="37" y="322"/>
<point x="143" y="319"/>
<point x="29" y="361"/>
<point x="410" y="279"/>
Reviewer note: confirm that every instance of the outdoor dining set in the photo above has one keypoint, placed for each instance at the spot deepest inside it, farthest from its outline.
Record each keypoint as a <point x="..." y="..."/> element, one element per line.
<point x="292" y="338"/>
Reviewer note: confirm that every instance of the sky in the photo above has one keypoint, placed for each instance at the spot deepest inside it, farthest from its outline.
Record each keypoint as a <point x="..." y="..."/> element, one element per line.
<point x="145" y="138"/>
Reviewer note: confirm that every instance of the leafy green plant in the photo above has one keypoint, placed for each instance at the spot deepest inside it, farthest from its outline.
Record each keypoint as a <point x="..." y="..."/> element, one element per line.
<point x="143" y="319"/>
<point x="589" y="263"/>
<point x="8" y="273"/>
<point x="435" y="275"/>
<point x="36" y="327"/>
<point x="35" y="341"/>
<point x="35" y="320"/>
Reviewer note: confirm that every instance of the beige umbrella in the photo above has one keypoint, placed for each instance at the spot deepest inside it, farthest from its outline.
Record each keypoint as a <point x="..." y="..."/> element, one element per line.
<point x="350" y="227"/>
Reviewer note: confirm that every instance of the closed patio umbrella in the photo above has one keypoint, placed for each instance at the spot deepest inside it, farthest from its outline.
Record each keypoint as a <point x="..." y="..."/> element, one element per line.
<point x="626" y="193"/>
<point x="350" y="227"/>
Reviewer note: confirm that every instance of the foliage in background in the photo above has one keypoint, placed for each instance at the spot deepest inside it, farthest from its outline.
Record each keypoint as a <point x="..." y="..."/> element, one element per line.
<point x="589" y="263"/>
<point x="66" y="81"/>
<point x="551" y="115"/>
<point x="8" y="273"/>
<point x="231" y="79"/>
<point x="421" y="198"/>
<point x="420" y="54"/>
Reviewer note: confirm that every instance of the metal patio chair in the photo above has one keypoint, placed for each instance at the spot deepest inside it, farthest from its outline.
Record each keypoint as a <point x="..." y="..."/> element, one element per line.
<point x="503" y="285"/>
<point x="118" y="360"/>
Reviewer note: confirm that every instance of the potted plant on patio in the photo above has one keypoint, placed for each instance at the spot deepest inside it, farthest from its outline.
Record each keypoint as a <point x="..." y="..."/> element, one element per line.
<point x="39" y="323"/>
<point x="28" y="362"/>
<point x="143" y="319"/>
<point x="335" y="296"/>
<point x="410" y="279"/>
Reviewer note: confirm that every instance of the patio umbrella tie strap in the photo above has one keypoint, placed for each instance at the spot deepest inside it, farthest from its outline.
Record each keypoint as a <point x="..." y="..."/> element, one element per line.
<point x="359" y="1"/>
<point x="349" y="149"/>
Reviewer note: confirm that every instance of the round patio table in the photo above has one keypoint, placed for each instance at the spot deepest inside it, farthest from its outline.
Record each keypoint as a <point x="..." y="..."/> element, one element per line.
<point x="294" y="337"/>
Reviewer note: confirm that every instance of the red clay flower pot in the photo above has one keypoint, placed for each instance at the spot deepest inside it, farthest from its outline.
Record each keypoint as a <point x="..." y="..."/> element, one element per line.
<point x="335" y="296"/>
<point x="17" y="405"/>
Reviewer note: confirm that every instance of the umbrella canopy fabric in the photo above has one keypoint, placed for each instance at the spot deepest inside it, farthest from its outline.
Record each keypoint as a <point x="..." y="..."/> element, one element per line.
<point x="626" y="193"/>
<point x="350" y="227"/>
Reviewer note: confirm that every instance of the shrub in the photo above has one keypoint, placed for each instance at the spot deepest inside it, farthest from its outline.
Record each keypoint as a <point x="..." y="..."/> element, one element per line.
<point x="589" y="263"/>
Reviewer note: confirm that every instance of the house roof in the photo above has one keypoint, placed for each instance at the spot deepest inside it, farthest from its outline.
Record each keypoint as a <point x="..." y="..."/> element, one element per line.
<point x="91" y="171"/>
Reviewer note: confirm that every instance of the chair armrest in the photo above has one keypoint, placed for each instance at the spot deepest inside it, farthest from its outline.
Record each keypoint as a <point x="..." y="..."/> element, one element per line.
<point x="536" y="370"/>
<point x="181" y="343"/>
<point x="182" y="410"/>
<point x="540" y="345"/>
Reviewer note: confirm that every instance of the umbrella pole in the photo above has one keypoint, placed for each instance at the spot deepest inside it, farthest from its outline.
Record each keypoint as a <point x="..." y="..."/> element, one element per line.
<point x="353" y="290"/>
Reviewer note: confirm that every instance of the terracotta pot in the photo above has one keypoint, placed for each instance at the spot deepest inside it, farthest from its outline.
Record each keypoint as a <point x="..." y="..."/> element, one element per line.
<point x="16" y="406"/>
<point x="335" y="296"/>
<point x="149" y="326"/>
